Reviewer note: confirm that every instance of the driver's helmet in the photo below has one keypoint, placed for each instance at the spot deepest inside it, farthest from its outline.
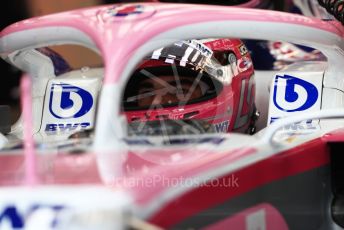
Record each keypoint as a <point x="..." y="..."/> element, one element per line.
<point x="206" y="84"/>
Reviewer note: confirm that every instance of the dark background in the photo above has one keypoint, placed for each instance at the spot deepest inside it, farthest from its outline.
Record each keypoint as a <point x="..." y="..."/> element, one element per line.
<point x="11" y="11"/>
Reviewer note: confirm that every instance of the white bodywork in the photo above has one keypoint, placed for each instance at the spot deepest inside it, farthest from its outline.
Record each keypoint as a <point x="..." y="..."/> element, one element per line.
<point x="62" y="104"/>
<point x="99" y="208"/>
<point x="81" y="88"/>
<point x="303" y="96"/>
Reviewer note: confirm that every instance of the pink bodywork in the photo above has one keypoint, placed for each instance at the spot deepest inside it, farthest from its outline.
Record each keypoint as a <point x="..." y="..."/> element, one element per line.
<point x="29" y="144"/>
<point x="118" y="38"/>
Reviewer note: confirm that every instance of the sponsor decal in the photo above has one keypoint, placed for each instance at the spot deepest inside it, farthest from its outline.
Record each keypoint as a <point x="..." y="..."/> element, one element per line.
<point x="298" y="126"/>
<point x="301" y="126"/>
<point x="68" y="101"/>
<point x="294" y="132"/>
<point x="66" y="127"/>
<point x="125" y="10"/>
<point x="292" y="94"/>
<point x="244" y="64"/>
<point x="246" y="101"/>
<point x="44" y="216"/>
<point x="190" y="51"/>
<point x="243" y="50"/>
<point x="206" y="51"/>
<point x="221" y="127"/>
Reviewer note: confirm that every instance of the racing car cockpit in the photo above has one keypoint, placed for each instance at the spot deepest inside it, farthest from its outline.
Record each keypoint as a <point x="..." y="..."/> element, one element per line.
<point x="195" y="86"/>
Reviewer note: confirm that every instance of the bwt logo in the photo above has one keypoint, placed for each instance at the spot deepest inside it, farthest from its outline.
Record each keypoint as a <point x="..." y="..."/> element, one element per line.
<point x="292" y="94"/>
<point x="66" y="127"/>
<point x="35" y="216"/>
<point x="68" y="101"/>
<point x="222" y="127"/>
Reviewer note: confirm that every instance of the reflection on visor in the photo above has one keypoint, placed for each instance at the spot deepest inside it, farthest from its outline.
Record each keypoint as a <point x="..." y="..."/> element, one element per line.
<point x="165" y="88"/>
<point x="197" y="55"/>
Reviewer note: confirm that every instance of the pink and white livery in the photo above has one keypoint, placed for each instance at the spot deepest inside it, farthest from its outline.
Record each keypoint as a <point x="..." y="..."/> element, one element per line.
<point x="78" y="164"/>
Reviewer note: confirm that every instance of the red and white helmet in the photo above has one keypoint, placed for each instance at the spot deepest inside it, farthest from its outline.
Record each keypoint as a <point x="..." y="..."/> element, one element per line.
<point x="220" y="70"/>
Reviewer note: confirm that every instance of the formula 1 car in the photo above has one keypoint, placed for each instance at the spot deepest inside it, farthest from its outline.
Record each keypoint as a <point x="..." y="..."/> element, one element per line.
<point x="167" y="134"/>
